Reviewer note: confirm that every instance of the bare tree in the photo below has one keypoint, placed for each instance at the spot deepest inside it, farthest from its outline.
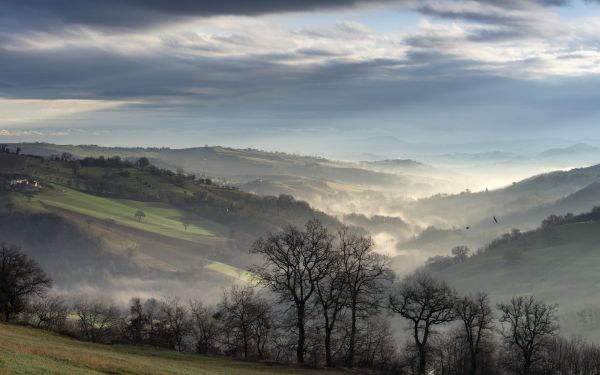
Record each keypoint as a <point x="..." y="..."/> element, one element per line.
<point x="236" y="311"/>
<point x="476" y="316"/>
<point x="426" y="302"/>
<point x="49" y="312"/>
<point x="365" y="277"/>
<point x="137" y="322"/>
<point x="526" y="324"/>
<point x="152" y="309"/>
<point x="331" y="299"/>
<point x="205" y="328"/>
<point x="175" y="321"/>
<point x="20" y="278"/>
<point x="295" y="260"/>
<point x="246" y="319"/>
<point x="96" y="319"/>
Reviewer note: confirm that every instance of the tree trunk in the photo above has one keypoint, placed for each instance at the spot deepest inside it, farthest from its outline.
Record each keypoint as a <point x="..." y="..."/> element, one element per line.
<point x="527" y="367"/>
<point x="350" y="357"/>
<point x="301" y="335"/>
<point x="328" y="356"/>
<point x="422" y="361"/>
<point x="473" y="369"/>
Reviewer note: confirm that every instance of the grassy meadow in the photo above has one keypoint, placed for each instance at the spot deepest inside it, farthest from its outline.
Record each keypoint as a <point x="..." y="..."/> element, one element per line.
<point x="25" y="350"/>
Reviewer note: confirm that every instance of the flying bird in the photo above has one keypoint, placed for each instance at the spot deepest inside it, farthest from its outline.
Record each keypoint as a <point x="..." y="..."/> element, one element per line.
<point x="496" y="220"/>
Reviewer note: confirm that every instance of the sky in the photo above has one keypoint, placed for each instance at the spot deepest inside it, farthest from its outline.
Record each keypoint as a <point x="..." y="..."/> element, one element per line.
<point x="329" y="77"/>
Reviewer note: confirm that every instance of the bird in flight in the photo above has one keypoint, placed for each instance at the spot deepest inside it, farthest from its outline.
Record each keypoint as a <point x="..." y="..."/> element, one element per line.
<point x="496" y="220"/>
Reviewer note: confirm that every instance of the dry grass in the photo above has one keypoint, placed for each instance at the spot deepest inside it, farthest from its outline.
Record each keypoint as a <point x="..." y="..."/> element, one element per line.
<point x="26" y="350"/>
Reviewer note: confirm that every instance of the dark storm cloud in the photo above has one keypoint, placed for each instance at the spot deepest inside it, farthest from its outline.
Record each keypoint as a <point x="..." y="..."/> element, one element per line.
<point x="141" y="13"/>
<point x="235" y="88"/>
<point x="48" y="14"/>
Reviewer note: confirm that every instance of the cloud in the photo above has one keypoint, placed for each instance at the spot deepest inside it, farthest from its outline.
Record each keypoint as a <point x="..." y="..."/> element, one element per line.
<point x="35" y="14"/>
<point x="18" y="133"/>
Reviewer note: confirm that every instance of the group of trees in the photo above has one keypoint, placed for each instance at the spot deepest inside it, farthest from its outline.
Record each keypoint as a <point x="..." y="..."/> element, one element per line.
<point x="326" y="299"/>
<point x="4" y="149"/>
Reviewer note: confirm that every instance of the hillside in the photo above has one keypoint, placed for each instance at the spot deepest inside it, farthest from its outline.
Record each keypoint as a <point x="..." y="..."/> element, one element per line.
<point x="32" y="351"/>
<point x="558" y="263"/>
<point x="192" y="230"/>
<point x="263" y="172"/>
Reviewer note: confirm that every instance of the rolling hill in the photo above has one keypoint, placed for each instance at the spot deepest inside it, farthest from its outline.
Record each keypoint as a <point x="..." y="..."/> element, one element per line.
<point x="557" y="263"/>
<point x="193" y="231"/>
<point x="265" y="172"/>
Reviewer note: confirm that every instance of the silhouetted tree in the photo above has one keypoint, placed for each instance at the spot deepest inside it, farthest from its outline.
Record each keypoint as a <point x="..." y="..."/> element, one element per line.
<point x="205" y="328"/>
<point x="332" y="298"/>
<point x="295" y="260"/>
<point x="426" y="302"/>
<point x="476" y="317"/>
<point x="97" y="319"/>
<point x="20" y="278"/>
<point x="175" y="321"/>
<point x="526" y="324"/>
<point x="137" y="321"/>
<point x="49" y="312"/>
<point x="365" y="276"/>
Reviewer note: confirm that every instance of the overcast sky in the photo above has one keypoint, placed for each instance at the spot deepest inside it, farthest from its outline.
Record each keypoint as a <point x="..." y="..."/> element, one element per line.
<point x="319" y="76"/>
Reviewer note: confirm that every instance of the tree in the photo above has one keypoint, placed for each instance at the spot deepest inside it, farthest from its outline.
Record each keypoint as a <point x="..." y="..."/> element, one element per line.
<point x="137" y="321"/>
<point x="331" y="299"/>
<point x="460" y="253"/>
<point x="140" y="215"/>
<point x="49" y="312"/>
<point x="205" y="328"/>
<point x="426" y="302"/>
<point x="20" y="278"/>
<point x="294" y="261"/>
<point x="365" y="274"/>
<point x="526" y="324"/>
<point x="142" y="162"/>
<point x="175" y="320"/>
<point x="97" y="319"/>
<point x="245" y="318"/>
<point x="475" y="314"/>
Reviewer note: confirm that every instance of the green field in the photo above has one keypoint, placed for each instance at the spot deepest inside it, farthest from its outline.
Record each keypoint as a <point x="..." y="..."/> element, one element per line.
<point x="160" y="218"/>
<point x="26" y="350"/>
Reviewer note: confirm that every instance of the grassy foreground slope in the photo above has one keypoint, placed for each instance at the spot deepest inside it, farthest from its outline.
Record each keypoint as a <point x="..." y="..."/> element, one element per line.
<point x="25" y="350"/>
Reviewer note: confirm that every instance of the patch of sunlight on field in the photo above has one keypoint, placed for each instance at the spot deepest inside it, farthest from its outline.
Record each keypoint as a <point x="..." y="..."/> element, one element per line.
<point x="345" y="187"/>
<point x="228" y="270"/>
<point x="160" y="218"/>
